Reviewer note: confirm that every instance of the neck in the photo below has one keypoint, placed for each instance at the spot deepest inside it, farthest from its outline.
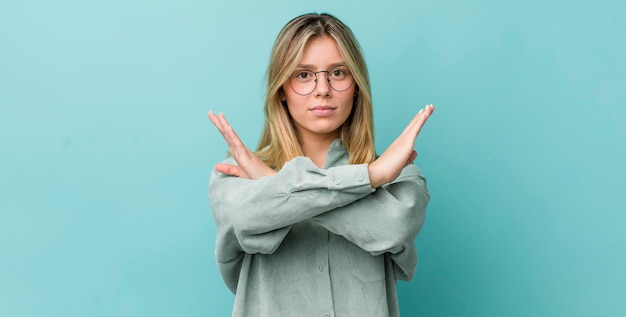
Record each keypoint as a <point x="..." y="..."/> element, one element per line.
<point x="316" y="146"/>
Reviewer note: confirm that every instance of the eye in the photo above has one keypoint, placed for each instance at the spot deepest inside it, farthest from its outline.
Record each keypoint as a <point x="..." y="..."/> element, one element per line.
<point x="338" y="73"/>
<point x="303" y="75"/>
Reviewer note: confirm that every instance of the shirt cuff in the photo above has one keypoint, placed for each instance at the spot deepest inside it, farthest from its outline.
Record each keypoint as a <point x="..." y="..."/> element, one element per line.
<point x="354" y="177"/>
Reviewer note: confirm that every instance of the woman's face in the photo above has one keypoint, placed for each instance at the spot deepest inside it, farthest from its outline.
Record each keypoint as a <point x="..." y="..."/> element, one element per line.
<point x="321" y="112"/>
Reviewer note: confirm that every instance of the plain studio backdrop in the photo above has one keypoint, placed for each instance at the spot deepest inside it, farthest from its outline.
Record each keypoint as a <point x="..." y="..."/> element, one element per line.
<point x="106" y="150"/>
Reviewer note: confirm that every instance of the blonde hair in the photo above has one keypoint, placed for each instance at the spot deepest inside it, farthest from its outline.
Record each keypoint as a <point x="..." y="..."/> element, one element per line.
<point x="279" y="142"/>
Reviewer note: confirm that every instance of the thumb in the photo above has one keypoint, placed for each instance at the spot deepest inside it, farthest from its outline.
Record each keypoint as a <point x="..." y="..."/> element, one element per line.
<point x="412" y="157"/>
<point x="228" y="169"/>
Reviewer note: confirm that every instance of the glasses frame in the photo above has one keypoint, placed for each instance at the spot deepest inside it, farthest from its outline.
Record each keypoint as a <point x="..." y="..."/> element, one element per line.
<point x="327" y="79"/>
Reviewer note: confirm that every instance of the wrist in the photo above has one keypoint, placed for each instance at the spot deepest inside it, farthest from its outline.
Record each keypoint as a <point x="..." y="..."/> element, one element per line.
<point x="376" y="177"/>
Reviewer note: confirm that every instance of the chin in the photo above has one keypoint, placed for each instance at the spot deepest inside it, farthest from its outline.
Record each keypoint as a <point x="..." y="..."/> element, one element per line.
<point x="329" y="131"/>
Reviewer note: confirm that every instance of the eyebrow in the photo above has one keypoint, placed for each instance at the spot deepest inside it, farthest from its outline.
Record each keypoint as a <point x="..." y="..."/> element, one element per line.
<point x="309" y="66"/>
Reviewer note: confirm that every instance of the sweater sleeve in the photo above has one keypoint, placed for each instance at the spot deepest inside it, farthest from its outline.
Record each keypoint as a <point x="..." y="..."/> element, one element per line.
<point x="386" y="221"/>
<point x="254" y="216"/>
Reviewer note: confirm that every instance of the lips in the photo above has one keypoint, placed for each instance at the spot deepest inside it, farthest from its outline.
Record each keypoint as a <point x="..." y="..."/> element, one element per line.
<point x="322" y="110"/>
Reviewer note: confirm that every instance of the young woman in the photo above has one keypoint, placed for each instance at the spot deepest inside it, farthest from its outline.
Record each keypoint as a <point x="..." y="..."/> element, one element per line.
<point x="314" y="223"/>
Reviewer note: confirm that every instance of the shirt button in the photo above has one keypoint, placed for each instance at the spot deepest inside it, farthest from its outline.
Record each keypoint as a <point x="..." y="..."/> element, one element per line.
<point x="326" y="315"/>
<point x="359" y="177"/>
<point x="337" y="182"/>
<point x="321" y="268"/>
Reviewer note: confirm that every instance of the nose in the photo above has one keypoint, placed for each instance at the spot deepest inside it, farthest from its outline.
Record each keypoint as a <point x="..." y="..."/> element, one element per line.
<point x="322" y="87"/>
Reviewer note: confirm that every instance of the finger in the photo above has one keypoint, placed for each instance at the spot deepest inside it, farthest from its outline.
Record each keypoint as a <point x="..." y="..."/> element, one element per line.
<point x="232" y="136"/>
<point x="428" y="110"/>
<point x="424" y="115"/>
<point x="216" y="122"/>
<point x="228" y="169"/>
<point x="416" y="120"/>
<point x="235" y="144"/>
<point x="226" y="131"/>
<point x="413" y="156"/>
<point x="220" y="126"/>
<point x="415" y="126"/>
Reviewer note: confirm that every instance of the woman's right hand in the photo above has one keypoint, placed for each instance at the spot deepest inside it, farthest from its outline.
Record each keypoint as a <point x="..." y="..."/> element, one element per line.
<point x="400" y="153"/>
<point x="248" y="164"/>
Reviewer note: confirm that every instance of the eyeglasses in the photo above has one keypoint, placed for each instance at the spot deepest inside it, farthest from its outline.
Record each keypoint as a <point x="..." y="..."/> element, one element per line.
<point x="303" y="82"/>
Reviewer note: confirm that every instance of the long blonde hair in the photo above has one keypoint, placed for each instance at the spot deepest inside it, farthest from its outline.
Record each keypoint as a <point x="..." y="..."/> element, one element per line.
<point x="279" y="142"/>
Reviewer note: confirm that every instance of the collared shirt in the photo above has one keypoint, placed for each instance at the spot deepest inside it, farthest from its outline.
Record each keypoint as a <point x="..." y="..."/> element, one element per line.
<point x="315" y="241"/>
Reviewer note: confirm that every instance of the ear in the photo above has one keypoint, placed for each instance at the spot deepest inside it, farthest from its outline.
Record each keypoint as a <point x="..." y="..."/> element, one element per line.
<point x="283" y="98"/>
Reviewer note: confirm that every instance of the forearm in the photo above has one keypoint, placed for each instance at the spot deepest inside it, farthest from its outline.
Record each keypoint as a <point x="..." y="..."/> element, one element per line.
<point x="379" y="222"/>
<point x="259" y="211"/>
<point x="386" y="221"/>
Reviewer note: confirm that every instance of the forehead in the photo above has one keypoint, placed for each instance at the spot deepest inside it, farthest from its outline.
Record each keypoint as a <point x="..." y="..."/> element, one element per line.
<point x="321" y="51"/>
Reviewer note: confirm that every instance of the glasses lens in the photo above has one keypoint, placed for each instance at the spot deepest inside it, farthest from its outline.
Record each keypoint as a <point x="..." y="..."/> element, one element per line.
<point x="340" y="78"/>
<point x="303" y="82"/>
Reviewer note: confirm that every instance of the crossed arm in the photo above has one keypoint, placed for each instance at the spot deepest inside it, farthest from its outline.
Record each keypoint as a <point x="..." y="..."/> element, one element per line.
<point x="257" y="216"/>
<point x="382" y="171"/>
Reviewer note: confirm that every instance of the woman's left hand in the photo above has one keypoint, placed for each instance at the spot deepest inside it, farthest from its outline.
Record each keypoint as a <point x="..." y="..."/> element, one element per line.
<point x="400" y="153"/>
<point x="248" y="164"/>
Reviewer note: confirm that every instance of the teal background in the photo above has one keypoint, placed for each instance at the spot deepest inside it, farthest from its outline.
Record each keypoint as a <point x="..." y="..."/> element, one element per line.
<point x="105" y="149"/>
